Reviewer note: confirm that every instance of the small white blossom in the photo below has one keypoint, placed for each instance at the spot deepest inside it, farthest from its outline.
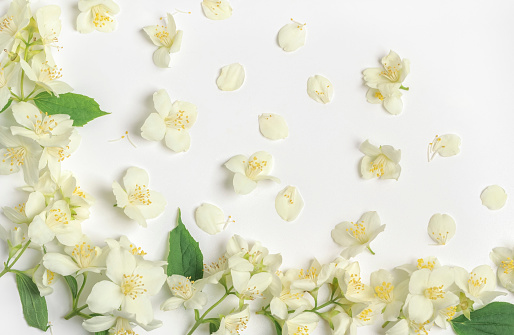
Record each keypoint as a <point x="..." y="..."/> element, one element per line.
<point x="167" y="38"/>
<point x="185" y="293"/>
<point x="380" y="162"/>
<point x="388" y="95"/>
<point x="16" y="18"/>
<point x="118" y="323"/>
<point x="97" y="15"/>
<point x="503" y="258"/>
<point x="394" y="71"/>
<point x="478" y="285"/>
<point x="441" y="228"/>
<point x="45" y="75"/>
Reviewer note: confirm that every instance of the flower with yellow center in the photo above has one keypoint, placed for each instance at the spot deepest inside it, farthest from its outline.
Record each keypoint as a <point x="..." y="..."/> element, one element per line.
<point x="300" y="323"/>
<point x="503" y="258"/>
<point x="388" y="95"/>
<point x="185" y="292"/>
<point x="139" y="202"/>
<point x="352" y="286"/>
<point x="16" y="18"/>
<point x="53" y="156"/>
<point x="389" y="293"/>
<point x="49" y="26"/>
<point x="44" y="280"/>
<point x="82" y="257"/>
<point x="250" y="170"/>
<point x="286" y="297"/>
<point x="45" y="75"/>
<point x="47" y="130"/>
<point x="234" y="323"/>
<point x="171" y="122"/>
<point x="356" y="236"/>
<point x="97" y="15"/>
<point x="429" y="292"/>
<point x="130" y="285"/>
<point x="250" y="287"/>
<point x="167" y="38"/>
<point x="394" y="71"/>
<point x="380" y="162"/>
<point x="118" y="323"/>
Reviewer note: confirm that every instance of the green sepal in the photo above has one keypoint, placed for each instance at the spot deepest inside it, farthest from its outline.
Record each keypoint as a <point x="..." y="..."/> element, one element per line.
<point x="185" y="257"/>
<point x="7" y="105"/>
<point x="495" y="318"/>
<point x="214" y="325"/>
<point x="34" y="305"/>
<point x="80" y="108"/>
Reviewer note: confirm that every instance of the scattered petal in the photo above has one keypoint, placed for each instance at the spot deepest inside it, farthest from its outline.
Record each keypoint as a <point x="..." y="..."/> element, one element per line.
<point x="292" y="36"/>
<point x="231" y="77"/>
<point x="493" y="197"/>
<point x="289" y="203"/>
<point x="441" y="228"/>
<point x="211" y="219"/>
<point x="273" y="126"/>
<point x="444" y="145"/>
<point x="217" y="9"/>
<point x="320" y="89"/>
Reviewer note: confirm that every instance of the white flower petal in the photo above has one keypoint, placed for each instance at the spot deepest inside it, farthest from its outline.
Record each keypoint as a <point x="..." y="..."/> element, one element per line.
<point x="39" y="232"/>
<point x="177" y="140"/>
<point x="243" y="184"/>
<point x="105" y="297"/>
<point x="154" y="128"/>
<point x="273" y="126"/>
<point x="99" y="323"/>
<point x="210" y="218"/>
<point x="493" y="197"/>
<point x="120" y="194"/>
<point x="161" y="57"/>
<point x="162" y="102"/>
<point x="231" y="77"/>
<point x="320" y="89"/>
<point x="217" y="9"/>
<point x="172" y="303"/>
<point x="60" y="264"/>
<point x="441" y="228"/>
<point x="292" y="36"/>
<point x="289" y="203"/>
<point x="236" y="164"/>
<point x="135" y="177"/>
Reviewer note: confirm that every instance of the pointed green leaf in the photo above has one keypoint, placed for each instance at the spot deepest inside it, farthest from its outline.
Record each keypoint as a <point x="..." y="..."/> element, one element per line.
<point x="185" y="257"/>
<point x="80" y="108"/>
<point x="34" y="305"/>
<point x="72" y="284"/>
<point x="6" y="106"/>
<point x="496" y="318"/>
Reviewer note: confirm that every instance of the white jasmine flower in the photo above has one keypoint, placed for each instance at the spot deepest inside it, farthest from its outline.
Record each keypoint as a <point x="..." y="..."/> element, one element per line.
<point x="171" y="122"/>
<point x="49" y="27"/>
<point x="167" y="38"/>
<point x="231" y="77"/>
<point x="493" y="197"/>
<point x="16" y="18"/>
<point x="320" y="89"/>
<point x="82" y="257"/>
<point x="19" y="152"/>
<point x="444" y="145"/>
<point x="249" y="171"/>
<point x="250" y="287"/>
<point x="97" y="15"/>
<point x="234" y="323"/>
<point x="289" y="203"/>
<point x="53" y="156"/>
<point x="243" y="258"/>
<point x="45" y="75"/>
<point x="125" y="244"/>
<point x="213" y="272"/>
<point x="185" y="293"/>
<point x="44" y="280"/>
<point x="25" y="212"/>
<point x="118" y="323"/>
<point x="430" y="292"/>
<point x="300" y="322"/>
<point x="285" y="297"/>
<point x="56" y="223"/>
<point x="479" y="285"/>
<point x="273" y="126"/>
<point x="292" y="36"/>
<point x="388" y="95"/>
<point x="79" y="201"/>
<point x="352" y="286"/>
<point x="380" y="162"/>
<point x="211" y="219"/>
<point x="356" y="236"/>
<point x="441" y="228"/>
<point x="394" y="71"/>
<point x="314" y="277"/>
<point x="390" y="293"/>
<point x="47" y="130"/>
<point x="409" y="327"/>
<point x="504" y="260"/>
<point x="130" y="286"/>
<point x="137" y="200"/>
<point x="217" y="9"/>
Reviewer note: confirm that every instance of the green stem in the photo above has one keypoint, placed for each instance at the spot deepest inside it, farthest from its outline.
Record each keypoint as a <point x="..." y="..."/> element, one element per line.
<point x="9" y="266"/>
<point x="385" y="324"/>
<point x="77" y="311"/>
<point x="404" y="88"/>
<point x="30" y="94"/>
<point x="370" y="250"/>
<point x="81" y="289"/>
<point x="201" y="320"/>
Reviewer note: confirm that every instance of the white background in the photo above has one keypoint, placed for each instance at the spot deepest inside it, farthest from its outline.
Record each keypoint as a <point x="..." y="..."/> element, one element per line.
<point x="461" y="82"/>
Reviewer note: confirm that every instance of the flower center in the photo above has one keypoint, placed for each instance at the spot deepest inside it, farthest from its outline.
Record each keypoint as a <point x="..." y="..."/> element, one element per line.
<point x="435" y="292"/>
<point x="365" y="315"/>
<point x="101" y="16"/>
<point x="183" y="290"/>
<point x="419" y="328"/>
<point x="355" y="285"/>
<point x="377" y="166"/>
<point x="177" y="121"/>
<point x="163" y="35"/>
<point x="141" y="196"/>
<point x="449" y="312"/>
<point x="476" y="284"/>
<point x="358" y="232"/>
<point x="77" y="191"/>
<point x="441" y="237"/>
<point x="255" y="167"/>
<point x="50" y="276"/>
<point x="383" y="292"/>
<point x="508" y="265"/>
<point x="7" y="26"/>
<point x="215" y="267"/>
<point x="236" y="324"/>
<point x="392" y="73"/>
<point x="83" y="254"/>
<point x="428" y="265"/>
<point x="136" y="251"/>
<point x="302" y="330"/>
<point x="20" y="208"/>
<point x="379" y="95"/>
<point x="49" y="73"/>
<point x="16" y="156"/>
<point x="312" y="274"/>
<point x="59" y="218"/>
<point x="133" y="285"/>
<point x="44" y="125"/>
<point x="123" y="327"/>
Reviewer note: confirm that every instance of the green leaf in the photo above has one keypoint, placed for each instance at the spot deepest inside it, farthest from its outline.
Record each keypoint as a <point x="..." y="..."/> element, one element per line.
<point x="185" y="257"/>
<point x="496" y="318"/>
<point x="80" y="108"/>
<point x="278" y="327"/>
<point x="6" y="106"/>
<point x="34" y="305"/>
<point x="72" y="284"/>
<point x="214" y="326"/>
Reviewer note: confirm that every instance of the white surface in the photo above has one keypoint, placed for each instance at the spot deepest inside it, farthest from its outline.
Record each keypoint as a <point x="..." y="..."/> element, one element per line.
<point x="461" y="82"/>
